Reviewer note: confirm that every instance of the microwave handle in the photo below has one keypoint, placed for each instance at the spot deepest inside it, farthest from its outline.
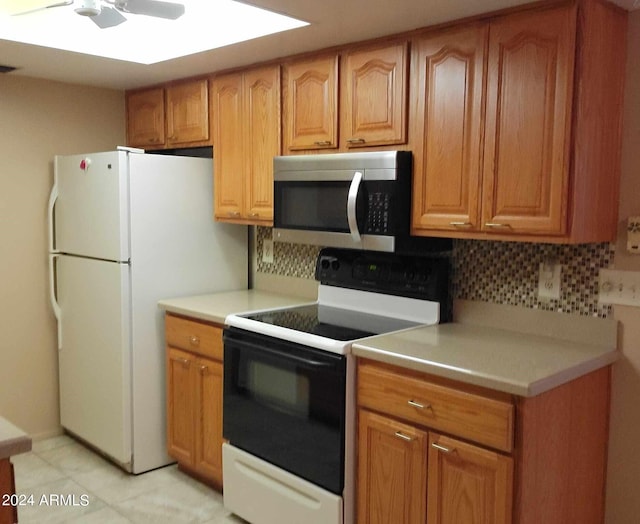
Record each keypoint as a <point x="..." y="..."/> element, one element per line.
<point x="352" y="197"/>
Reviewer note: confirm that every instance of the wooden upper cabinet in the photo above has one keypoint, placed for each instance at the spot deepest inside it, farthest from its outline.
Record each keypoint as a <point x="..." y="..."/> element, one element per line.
<point x="311" y="104"/>
<point x="145" y="118"/>
<point x="262" y="139"/>
<point x="374" y="96"/>
<point x="467" y="483"/>
<point x="246" y="132"/>
<point x="447" y="102"/>
<point x="528" y="122"/>
<point x="228" y="158"/>
<point x="188" y="113"/>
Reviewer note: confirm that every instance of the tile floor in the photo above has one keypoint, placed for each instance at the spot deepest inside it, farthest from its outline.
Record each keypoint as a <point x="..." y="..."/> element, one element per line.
<point x="69" y="483"/>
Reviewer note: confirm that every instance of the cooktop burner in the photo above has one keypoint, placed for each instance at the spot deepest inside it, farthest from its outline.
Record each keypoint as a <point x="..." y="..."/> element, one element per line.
<point x="330" y="322"/>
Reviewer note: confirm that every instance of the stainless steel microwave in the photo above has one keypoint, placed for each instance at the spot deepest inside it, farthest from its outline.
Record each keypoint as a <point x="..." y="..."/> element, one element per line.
<point x="349" y="200"/>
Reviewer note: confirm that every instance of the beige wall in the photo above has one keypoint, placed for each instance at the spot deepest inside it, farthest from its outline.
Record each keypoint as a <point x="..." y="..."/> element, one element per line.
<point x="38" y="119"/>
<point x="623" y="502"/>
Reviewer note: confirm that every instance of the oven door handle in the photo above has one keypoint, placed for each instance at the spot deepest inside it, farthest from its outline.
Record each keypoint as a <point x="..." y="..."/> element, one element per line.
<point x="352" y="198"/>
<point x="250" y="346"/>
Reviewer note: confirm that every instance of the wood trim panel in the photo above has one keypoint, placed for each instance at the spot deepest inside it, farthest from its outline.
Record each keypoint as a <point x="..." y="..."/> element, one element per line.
<point x="600" y="74"/>
<point x="561" y="452"/>
<point x="194" y="336"/>
<point x="478" y="418"/>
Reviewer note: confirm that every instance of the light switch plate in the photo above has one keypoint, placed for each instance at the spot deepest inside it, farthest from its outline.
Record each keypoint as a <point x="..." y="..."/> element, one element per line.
<point x="633" y="235"/>
<point x="619" y="287"/>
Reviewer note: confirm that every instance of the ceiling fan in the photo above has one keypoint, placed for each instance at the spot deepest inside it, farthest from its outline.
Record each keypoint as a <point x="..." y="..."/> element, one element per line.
<point x="108" y="13"/>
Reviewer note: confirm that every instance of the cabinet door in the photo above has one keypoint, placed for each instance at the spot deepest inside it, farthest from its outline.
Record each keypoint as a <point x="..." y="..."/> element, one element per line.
<point x="528" y="119"/>
<point x="228" y="159"/>
<point x="311" y="99"/>
<point x="208" y="445"/>
<point x="447" y="86"/>
<point x="392" y="471"/>
<point x="262" y="139"/>
<point x="188" y="113"/>
<point x="375" y="97"/>
<point x="181" y="402"/>
<point x="145" y="118"/>
<point x="467" y="484"/>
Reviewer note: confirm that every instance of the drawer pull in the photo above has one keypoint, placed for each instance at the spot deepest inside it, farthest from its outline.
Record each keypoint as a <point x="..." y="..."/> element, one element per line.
<point x="418" y="405"/>
<point x="403" y="436"/>
<point x="441" y="448"/>
<point x="195" y="341"/>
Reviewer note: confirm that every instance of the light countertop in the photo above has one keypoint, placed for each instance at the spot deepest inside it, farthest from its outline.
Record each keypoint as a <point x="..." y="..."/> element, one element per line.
<point x="216" y="306"/>
<point x="13" y="440"/>
<point x="517" y="363"/>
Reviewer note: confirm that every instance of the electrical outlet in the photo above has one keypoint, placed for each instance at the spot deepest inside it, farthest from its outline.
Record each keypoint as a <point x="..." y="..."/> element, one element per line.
<point x="267" y="251"/>
<point x="549" y="279"/>
<point x="619" y="287"/>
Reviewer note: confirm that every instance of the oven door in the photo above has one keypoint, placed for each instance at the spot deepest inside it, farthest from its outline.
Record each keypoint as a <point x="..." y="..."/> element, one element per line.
<point x="285" y="403"/>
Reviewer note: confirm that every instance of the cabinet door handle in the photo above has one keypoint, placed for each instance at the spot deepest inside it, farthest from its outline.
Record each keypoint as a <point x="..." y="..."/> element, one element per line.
<point x="185" y="362"/>
<point x="356" y="140"/>
<point x="495" y="224"/>
<point x="195" y="341"/>
<point x="234" y="213"/>
<point x="441" y="448"/>
<point x="322" y="142"/>
<point x="203" y="369"/>
<point x="401" y="435"/>
<point x="418" y="405"/>
<point x="254" y="215"/>
<point x="460" y="224"/>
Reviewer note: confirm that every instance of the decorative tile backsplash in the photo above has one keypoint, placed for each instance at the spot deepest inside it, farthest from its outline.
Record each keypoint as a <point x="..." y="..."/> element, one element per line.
<point x="489" y="271"/>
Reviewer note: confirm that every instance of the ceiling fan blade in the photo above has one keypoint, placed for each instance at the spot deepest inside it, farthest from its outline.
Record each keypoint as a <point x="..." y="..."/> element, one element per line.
<point x="157" y="8"/>
<point x="108" y="17"/>
<point x="23" y="8"/>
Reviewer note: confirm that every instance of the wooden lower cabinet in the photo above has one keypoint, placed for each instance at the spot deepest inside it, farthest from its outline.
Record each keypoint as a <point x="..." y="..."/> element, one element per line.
<point x="8" y="512"/>
<point x="410" y="471"/>
<point x="392" y="471"/>
<point x="467" y="483"/>
<point x="194" y="400"/>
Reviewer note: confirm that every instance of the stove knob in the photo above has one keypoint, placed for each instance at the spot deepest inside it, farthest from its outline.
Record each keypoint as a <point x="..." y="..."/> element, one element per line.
<point x="335" y="265"/>
<point x="324" y="263"/>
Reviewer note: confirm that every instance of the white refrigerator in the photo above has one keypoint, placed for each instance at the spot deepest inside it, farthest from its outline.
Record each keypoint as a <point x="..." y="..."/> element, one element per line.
<point x="125" y="230"/>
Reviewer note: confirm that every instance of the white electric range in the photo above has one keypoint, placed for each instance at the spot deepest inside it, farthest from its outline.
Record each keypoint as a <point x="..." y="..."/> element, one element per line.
<point x="289" y="384"/>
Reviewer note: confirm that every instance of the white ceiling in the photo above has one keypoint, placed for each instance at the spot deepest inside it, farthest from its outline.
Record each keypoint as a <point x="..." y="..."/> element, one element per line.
<point x="333" y="22"/>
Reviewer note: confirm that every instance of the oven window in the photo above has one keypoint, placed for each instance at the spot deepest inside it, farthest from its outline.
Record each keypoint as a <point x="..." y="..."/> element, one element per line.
<point x="285" y="403"/>
<point x="318" y="206"/>
<point x="280" y="389"/>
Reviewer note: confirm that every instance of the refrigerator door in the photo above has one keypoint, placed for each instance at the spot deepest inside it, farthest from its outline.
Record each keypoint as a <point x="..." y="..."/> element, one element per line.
<point x="94" y="361"/>
<point x="92" y="205"/>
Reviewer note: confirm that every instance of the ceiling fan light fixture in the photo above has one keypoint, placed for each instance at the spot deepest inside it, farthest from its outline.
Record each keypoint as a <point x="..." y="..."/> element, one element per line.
<point x="87" y="7"/>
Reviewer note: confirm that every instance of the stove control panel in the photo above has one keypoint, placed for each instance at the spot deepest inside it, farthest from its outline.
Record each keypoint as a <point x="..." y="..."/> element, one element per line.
<point x="420" y="277"/>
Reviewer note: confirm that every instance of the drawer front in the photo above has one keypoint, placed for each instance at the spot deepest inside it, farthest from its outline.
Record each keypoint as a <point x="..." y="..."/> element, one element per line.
<point x="405" y="396"/>
<point x="192" y="335"/>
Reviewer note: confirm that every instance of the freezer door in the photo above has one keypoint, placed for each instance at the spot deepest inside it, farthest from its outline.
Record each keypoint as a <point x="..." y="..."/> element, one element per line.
<point x="94" y="361"/>
<point x="91" y="212"/>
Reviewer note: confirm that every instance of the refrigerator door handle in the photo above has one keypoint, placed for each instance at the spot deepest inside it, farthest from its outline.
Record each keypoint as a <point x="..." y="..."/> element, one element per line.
<point x="53" y="197"/>
<point x="52" y="295"/>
